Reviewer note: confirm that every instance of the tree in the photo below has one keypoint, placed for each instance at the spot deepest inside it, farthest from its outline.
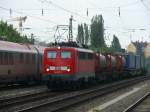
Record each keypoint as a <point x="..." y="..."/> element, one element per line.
<point x="8" y="33"/>
<point x="97" y="32"/>
<point x="115" y="44"/>
<point x="80" y="36"/>
<point x="86" y="34"/>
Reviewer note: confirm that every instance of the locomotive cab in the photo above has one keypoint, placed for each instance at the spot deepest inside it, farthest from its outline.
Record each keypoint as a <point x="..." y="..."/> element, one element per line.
<point x="68" y="65"/>
<point x="59" y="63"/>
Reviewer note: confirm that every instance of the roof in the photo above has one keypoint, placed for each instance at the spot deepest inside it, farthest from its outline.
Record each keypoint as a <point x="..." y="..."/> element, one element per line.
<point x="16" y="47"/>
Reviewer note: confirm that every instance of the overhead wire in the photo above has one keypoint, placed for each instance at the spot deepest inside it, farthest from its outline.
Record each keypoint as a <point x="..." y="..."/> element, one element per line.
<point x="142" y="1"/>
<point x="64" y="9"/>
<point x="129" y="4"/>
<point x="91" y="3"/>
<point x="69" y="11"/>
<point x="114" y="7"/>
<point x="18" y="12"/>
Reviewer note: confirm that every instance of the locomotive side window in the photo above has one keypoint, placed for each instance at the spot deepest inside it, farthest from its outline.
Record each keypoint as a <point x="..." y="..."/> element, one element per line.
<point x="65" y="54"/>
<point x="90" y="56"/>
<point x="51" y="54"/>
<point x="82" y="55"/>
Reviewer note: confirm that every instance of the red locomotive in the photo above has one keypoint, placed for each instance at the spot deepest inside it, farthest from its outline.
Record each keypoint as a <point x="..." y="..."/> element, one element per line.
<point x="70" y="64"/>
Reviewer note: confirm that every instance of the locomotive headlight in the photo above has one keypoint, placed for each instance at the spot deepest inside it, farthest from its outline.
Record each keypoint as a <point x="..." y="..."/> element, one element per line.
<point x="47" y="69"/>
<point x="68" y="69"/>
<point x="58" y="47"/>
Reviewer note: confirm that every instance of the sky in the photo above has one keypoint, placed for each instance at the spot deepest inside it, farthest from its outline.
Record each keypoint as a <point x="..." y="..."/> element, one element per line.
<point x="133" y="23"/>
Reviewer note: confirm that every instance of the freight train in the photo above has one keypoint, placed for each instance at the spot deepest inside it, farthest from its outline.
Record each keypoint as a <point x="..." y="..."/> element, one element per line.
<point x="71" y="65"/>
<point x="20" y="63"/>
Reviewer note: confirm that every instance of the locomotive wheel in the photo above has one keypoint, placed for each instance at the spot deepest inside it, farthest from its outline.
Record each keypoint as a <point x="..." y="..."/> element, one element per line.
<point x="75" y="85"/>
<point x="49" y="85"/>
<point x="92" y="81"/>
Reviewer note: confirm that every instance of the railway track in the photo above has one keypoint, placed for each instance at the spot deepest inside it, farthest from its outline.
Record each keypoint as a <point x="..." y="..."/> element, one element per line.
<point x="17" y="86"/>
<point x="11" y="104"/>
<point x="141" y="105"/>
<point x="63" y="100"/>
<point x="21" y="98"/>
<point x="20" y="92"/>
<point x="11" y="87"/>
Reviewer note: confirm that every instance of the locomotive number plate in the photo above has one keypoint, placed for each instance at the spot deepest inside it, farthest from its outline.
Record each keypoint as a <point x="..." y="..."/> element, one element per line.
<point x="57" y="68"/>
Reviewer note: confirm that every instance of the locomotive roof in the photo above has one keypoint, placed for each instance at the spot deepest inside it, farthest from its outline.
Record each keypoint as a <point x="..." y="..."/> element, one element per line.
<point x="71" y="48"/>
<point x="16" y="47"/>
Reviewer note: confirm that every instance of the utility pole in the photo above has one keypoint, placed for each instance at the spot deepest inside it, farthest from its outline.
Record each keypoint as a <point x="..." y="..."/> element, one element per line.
<point x="70" y="29"/>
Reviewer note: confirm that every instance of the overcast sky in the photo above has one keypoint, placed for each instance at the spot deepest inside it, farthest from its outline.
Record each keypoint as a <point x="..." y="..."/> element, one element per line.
<point x="132" y="24"/>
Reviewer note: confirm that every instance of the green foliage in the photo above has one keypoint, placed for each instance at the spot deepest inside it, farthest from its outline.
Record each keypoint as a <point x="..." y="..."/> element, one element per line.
<point x="80" y="36"/>
<point x="83" y="34"/>
<point x="115" y="44"/>
<point x="97" y="32"/>
<point x="8" y="33"/>
<point x="86" y="34"/>
<point x="97" y="37"/>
